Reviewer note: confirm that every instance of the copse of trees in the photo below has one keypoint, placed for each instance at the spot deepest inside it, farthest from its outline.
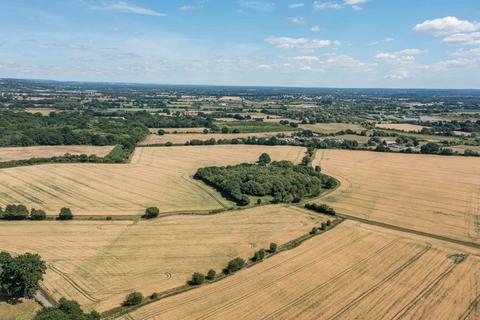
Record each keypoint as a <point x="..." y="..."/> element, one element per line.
<point x="197" y="279"/>
<point x="282" y="180"/>
<point x="321" y="208"/>
<point x="20" y="276"/>
<point x="66" y="310"/>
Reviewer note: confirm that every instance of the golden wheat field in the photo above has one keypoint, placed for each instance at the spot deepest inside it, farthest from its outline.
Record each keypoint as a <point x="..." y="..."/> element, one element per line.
<point x="21" y="153"/>
<point x="400" y="127"/>
<point x="354" y="271"/>
<point x="157" y="176"/>
<point x="331" y="127"/>
<point x="439" y="195"/>
<point x="99" y="263"/>
<point x="181" y="138"/>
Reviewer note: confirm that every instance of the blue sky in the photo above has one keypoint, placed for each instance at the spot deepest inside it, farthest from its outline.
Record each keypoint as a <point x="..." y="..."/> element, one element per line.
<point x="331" y="43"/>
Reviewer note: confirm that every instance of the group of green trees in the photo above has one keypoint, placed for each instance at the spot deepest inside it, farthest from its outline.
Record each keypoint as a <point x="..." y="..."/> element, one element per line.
<point x="66" y="310"/>
<point x="67" y="128"/>
<point x="282" y="180"/>
<point x="20" y="275"/>
<point x="20" y="212"/>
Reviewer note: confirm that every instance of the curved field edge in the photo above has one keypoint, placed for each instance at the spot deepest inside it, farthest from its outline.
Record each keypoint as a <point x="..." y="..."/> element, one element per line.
<point x="433" y="195"/>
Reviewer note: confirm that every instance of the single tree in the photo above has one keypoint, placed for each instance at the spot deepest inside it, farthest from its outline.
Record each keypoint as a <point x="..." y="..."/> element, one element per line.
<point x="264" y="159"/>
<point x="151" y="213"/>
<point x="211" y="274"/>
<point x="37" y="214"/>
<point x="197" y="279"/>
<point x="133" y="299"/>
<point x="65" y="214"/>
<point x="273" y="247"/>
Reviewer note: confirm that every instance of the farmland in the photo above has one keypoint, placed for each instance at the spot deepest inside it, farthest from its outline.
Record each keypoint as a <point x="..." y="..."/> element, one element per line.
<point x="20" y="153"/>
<point x="99" y="263"/>
<point x="331" y="127"/>
<point x="155" y="177"/>
<point x="400" y="127"/>
<point x="432" y="194"/>
<point x="177" y="130"/>
<point x="20" y="311"/>
<point x="355" y="271"/>
<point x="181" y="138"/>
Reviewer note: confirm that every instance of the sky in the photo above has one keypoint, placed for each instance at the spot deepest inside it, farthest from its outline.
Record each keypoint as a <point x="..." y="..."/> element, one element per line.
<point x="331" y="43"/>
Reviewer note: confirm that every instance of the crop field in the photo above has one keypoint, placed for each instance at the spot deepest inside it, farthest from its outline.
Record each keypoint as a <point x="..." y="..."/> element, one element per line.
<point x="354" y="271"/>
<point x="181" y="138"/>
<point x="25" y="310"/>
<point x="99" y="263"/>
<point x="20" y="153"/>
<point x="156" y="176"/>
<point x="331" y="127"/>
<point x="400" y="127"/>
<point x="253" y="126"/>
<point x="438" y="195"/>
<point x="177" y="130"/>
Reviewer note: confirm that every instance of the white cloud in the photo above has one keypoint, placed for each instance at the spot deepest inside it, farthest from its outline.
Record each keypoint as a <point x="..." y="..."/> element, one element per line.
<point x="299" y="43"/>
<point x="296" y="5"/>
<point x="124" y="7"/>
<point x="262" y="6"/>
<point x="355" y="2"/>
<point x="467" y="53"/>
<point x="374" y="43"/>
<point x="405" y="56"/>
<point x="315" y="28"/>
<point x="463" y="38"/>
<point x="345" y="62"/>
<point x="296" y="20"/>
<point x="187" y="8"/>
<point x="321" y="5"/>
<point x="305" y="59"/>
<point x="446" y="25"/>
<point x="398" y="75"/>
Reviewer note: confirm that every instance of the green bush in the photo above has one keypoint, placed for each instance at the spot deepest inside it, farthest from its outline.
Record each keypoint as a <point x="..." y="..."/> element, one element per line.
<point x="211" y="274"/>
<point x="234" y="265"/>
<point x="37" y="214"/>
<point x="133" y="299"/>
<point x="197" y="279"/>
<point x="65" y="214"/>
<point x="273" y="247"/>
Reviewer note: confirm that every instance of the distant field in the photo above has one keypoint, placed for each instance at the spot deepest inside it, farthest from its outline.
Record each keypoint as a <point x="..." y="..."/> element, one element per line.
<point x="181" y="138"/>
<point x="20" y="153"/>
<point x="434" y="194"/>
<point x="25" y="310"/>
<point x="400" y="127"/>
<point x="253" y="126"/>
<point x="178" y="130"/>
<point x="359" y="139"/>
<point x="351" y="272"/>
<point x="462" y="148"/>
<point x="43" y="111"/>
<point x="331" y="127"/>
<point x="157" y="176"/>
<point x="99" y="263"/>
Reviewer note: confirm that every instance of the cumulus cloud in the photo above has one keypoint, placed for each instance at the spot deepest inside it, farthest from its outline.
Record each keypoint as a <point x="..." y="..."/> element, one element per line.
<point x="315" y="28"/>
<point x="299" y="43"/>
<point x="467" y="53"/>
<point x="398" y="75"/>
<point x="446" y="25"/>
<point x="345" y="62"/>
<point x="463" y="38"/>
<point x="374" y="43"/>
<point x="125" y="7"/>
<point x="399" y="57"/>
<point x="262" y="6"/>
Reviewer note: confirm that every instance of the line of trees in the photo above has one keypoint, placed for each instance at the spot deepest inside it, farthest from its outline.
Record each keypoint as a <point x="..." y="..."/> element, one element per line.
<point x="66" y="310"/>
<point x="20" y="212"/>
<point x="321" y="208"/>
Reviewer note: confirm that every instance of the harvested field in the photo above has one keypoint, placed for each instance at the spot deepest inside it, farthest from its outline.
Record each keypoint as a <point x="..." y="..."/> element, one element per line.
<point x="21" y="153"/>
<point x="156" y="176"/>
<point x="331" y="127"/>
<point x="359" y="139"/>
<point x="434" y="194"/>
<point x="99" y="263"/>
<point x="178" y="130"/>
<point x="400" y="127"/>
<point x="25" y="310"/>
<point x="354" y="271"/>
<point x="43" y="111"/>
<point x="181" y="138"/>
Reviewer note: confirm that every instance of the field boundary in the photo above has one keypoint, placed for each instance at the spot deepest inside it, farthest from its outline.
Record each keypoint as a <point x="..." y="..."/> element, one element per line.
<point x="123" y="311"/>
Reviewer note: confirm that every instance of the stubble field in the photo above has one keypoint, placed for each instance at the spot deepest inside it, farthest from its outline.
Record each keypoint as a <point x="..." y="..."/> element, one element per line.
<point x="331" y="127"/>
<point x="354" y="271"/>
<point x="181" y="138"/>
<point x="433" y="194"/>
<point x="21" y="153"/>
<point x="400" y="127"/>
<point x="159" y="177"/>
<point x="99" y="263"/>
